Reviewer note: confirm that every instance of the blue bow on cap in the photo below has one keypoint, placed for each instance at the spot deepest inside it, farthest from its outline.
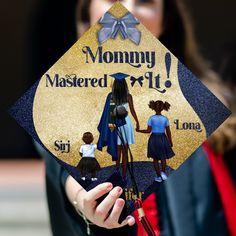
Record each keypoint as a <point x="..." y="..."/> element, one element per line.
<point x="125" y="25"/>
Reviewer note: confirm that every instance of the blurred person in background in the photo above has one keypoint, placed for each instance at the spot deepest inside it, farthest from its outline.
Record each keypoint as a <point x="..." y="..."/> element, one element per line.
<point x="194" y="200"/>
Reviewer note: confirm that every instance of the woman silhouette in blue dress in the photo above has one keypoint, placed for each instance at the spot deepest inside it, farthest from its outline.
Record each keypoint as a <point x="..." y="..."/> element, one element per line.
<point x="118" y="140"/>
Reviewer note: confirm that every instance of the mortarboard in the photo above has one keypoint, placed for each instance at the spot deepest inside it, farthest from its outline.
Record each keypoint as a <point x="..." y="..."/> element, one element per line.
<point x="119" y="76"/>
<point x="199" y="106"/>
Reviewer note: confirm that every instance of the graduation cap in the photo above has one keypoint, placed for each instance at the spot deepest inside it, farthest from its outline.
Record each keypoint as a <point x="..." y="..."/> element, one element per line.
<point x="31" y="113"/>
<point x="119" y="76"/>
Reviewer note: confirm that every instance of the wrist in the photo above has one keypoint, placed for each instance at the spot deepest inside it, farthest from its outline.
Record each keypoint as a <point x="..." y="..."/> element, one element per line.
<point x="73" y="191"/>
<point x="75" y="201"/>
<point x="78" y="210"/>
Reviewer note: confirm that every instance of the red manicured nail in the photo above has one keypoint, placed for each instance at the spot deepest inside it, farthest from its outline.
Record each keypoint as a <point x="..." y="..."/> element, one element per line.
<point x="119" y="190"/>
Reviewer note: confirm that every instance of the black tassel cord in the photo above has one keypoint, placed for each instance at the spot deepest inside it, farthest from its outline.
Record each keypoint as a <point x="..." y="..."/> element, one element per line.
<point x="137" y="202"/>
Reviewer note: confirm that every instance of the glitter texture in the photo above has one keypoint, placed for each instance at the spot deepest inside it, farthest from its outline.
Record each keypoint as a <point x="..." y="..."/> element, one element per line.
<point x="66" y="113"/>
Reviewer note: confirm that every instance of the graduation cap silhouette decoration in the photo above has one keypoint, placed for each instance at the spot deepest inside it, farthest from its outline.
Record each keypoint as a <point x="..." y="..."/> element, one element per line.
<point x="119" y="76"/>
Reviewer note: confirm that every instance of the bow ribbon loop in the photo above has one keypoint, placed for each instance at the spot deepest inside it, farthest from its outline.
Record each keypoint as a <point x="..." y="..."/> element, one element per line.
<point x="134" y="80"/>
<point x="126" y="26"/>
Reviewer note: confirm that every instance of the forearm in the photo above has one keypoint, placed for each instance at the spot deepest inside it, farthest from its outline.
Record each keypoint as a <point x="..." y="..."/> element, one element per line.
<point x="168" y="133"/>
<point x="132" y="110"/>
<point x="144" y="131"/>
<point x="135" y="116"/>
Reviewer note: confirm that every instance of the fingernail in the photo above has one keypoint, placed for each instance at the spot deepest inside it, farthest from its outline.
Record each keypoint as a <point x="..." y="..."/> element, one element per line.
<point x="120" y="203"/>
<point x="109" y="186"/>
<point x="130" y="220"/>
<point x="119" y="190"/>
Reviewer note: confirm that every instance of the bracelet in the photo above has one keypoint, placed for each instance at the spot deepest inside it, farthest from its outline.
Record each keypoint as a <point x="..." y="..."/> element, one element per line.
<point x="86" y="220"/>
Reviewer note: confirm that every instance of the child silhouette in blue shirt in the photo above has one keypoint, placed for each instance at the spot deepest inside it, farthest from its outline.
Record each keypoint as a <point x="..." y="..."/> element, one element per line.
<point x="160" y="141"/>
